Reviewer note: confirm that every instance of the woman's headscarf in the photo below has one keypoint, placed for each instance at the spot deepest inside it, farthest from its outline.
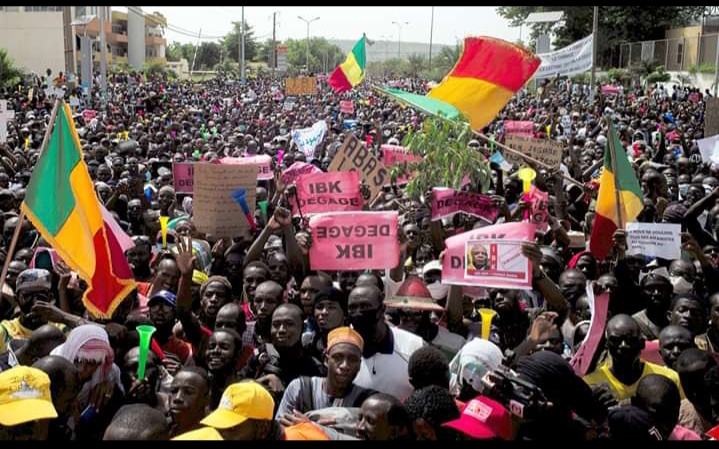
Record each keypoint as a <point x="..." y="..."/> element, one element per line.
<point x="472" y="362"/>
<point x="90" y="342"/>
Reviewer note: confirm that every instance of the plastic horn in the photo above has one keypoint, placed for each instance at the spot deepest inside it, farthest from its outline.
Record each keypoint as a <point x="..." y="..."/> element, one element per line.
<point x="527" y="175"/>
<point x="263" y="208"/>
<point x="145" y="333"/>
<point x="163" y="228"/>
<point x="487" y="315"/>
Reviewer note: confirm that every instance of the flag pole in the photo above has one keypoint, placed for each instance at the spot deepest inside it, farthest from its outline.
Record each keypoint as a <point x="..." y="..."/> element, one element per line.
<point x="613" y="155"/>
<point x="21" y="217"/>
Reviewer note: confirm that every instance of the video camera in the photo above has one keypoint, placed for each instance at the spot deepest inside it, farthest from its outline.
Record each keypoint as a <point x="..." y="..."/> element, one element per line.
<point x="521" y="397"/>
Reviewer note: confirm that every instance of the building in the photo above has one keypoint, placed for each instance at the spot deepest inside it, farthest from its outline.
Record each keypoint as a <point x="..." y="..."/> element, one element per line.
<point x="138" y="37"/>
<point x="38" y="38"/>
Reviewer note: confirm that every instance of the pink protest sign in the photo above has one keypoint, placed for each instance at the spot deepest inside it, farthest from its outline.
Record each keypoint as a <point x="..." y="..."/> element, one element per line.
<point x="329" y="192"/>
<point x="539" y="213"/>
<point x="610" y="90"/>
<point x="297" y="170"/>
<point x="394" y="155"/>
<point x="263" y="162"/>
<point x="182" y="174"/>
<point x="89" y="114"/>
<point x="453" y="266"/>
<point x="354" y="241"/>
<point x="582" y="360"/>
<point x="519" y="128"/>
<point x="347" y="107"/>
<point x="446" y="202"/>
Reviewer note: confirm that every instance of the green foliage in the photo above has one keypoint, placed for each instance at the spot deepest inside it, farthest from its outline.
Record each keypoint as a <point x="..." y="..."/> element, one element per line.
<point x="177" y="51"/>
<point x="621" y="75"/>
<point x="156" y="68"/>
<point x="581" y="78"/>
<point x="415" y="64"/>
<point x="703" y="68"/>
<point x="322" y="54"/>
<point x="10" y="75"/>
<point x="231" y="42"/>
<point x="446" y="158"/>
<point x="658" y="76"/>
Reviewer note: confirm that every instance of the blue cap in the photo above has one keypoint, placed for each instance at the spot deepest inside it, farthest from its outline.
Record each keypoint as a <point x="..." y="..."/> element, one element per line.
<point x="163" y="295"/>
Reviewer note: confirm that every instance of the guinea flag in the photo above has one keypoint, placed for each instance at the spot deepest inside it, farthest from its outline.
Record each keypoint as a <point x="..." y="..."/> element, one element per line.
<point x="61" y="203"/>
<point x="631" y="202"/>
<point x="351" y="72"/>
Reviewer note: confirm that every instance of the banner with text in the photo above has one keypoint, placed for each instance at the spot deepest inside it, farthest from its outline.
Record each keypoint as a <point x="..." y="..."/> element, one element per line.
<point x="263" y="162"/>
<point x="353" y="156"/>
<point x="447" y="202"/>
<point x="570" y="60"/>
<point x="307" y="139"/>
<point x="182" y="174"/>
<point x="296" y="171"/>
<point x="505" y="238"/>
<point x="546" y="151"/>
<point x="654" y="240"/>
<point x="301" y="86"/>
<point x="354" y="241"/>
<point x="519" y="128"/>
<point x="397" y="155"/>
<point x="329" y="192"/>
<point x="347" y="107"/>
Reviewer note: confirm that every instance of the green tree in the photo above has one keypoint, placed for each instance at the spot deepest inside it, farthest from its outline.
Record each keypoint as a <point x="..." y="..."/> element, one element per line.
<point x="415" y="64"/>
<point x="10" y="75"/>
<point x="323" y="55"/>
<point x="448" y="57"/>
<point x="231" y="42"/>
<point x="617" y="24"/>
<point x="208" y="55"/>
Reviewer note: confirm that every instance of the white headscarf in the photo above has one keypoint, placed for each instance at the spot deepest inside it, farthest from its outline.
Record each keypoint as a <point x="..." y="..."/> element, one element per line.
<point x="472" y="362"/>
<point x="90" y="342"/>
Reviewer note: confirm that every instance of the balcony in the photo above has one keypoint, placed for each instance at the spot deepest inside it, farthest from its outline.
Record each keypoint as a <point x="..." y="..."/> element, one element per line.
<point x="155" y="40"/>
<point x="116" y="38"/>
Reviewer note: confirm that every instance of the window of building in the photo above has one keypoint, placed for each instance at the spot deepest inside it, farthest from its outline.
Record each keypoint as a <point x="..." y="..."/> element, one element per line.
<point x="43" y="8"/>
<point x="680" y="52"/>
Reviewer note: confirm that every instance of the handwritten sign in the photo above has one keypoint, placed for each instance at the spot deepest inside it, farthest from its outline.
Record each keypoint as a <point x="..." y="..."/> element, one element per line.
<point x="329" y="192"/>
<point x="654" y="240"/>
<point x="447" y="202"/>
<point x="354" y="241"/>
<point x="519" y="128"/>
<point x="539" y="212"/>
<point x="214" y="210"/>
<point x="307" y="139"/>
<point x="546" y="151"/>
<point x="182" y="174"/>
<point x="397" y="155"/>
<point x="297" y="170"/>
<point x="454" y="265"/>
<point x="301" y="86"/>
<point x="347" y="107"/>
<point x="263" y="162"/>
<point x="353" y="156"/>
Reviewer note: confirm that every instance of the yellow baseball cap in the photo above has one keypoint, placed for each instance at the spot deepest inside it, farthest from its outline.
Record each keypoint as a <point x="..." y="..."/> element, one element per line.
<point x="204" y="434"/>
<point x="25" y="396"/>
<point x="240" y="402"/>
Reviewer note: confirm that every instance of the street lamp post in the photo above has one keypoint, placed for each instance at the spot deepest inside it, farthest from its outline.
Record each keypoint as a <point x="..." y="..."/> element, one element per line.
<point x="399" y="37"/>
<point x="308" y="38"/>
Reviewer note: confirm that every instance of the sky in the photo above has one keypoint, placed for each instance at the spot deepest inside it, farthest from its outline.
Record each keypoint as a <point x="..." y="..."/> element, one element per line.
<point x="451" y="23"/>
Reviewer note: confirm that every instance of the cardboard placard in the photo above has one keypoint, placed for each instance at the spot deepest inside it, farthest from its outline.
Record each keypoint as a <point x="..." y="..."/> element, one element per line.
<point x="182" y="174"/>
<point x="354" y="156"/>
<point x="214" y="210"/>
<point x="263" y="162"/>
<point x="546" y="151"/>
<point x="496" y="263"/>
<point x="301" y="86"/>
<point x="518" y="128"/>
<point x="328" y="192"/>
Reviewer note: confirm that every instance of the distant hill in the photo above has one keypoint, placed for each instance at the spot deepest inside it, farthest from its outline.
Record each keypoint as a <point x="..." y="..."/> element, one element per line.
<point x="383" y="50"/>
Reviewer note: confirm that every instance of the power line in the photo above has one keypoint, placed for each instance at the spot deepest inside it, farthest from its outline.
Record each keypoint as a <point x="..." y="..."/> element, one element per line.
<point x="174" y="28"/>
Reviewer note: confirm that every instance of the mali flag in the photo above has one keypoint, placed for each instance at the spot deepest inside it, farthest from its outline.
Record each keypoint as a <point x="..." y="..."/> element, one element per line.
<point x="484" y="79"/>
<point x="351" y="72"/>
<point x="60" y="201"/>
<point x="631" y="204"/>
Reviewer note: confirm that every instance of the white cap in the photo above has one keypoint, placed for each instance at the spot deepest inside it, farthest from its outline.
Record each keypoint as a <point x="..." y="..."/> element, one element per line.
<point x="430" y="266"/>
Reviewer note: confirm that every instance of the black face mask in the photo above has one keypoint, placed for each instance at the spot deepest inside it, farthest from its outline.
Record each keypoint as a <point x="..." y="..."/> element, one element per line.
<point x="364" y="321"/>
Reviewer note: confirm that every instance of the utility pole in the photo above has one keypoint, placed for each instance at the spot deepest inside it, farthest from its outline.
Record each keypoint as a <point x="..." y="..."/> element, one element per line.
<point x="431" y="29"/>
<point x="594" y="54"/>
<point x="399" y="37"/>
<point x="103" y="58"/>
<point x="308" y="22"/>
<point x="273" y="60"/>
<point x="194" y="57"/>
<point x="242" y="47"/>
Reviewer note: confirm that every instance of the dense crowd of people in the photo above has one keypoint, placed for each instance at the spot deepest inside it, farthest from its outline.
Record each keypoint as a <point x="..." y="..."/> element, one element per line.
<point x="250" y="343"/>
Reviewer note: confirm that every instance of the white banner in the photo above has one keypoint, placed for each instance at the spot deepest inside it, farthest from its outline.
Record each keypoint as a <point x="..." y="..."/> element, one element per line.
<point x="308" y="138"/>
<point x="567" y="61"/>
<point x="654" y="240"/>
<point x="709" y="149"/>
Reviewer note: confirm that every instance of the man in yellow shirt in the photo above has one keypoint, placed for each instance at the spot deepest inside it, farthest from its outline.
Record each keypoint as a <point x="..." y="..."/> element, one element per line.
<point x="622" y="372"/>
<point x="35" y="300"/>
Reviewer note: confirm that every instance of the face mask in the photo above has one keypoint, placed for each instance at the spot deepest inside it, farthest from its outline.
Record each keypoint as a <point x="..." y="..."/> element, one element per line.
<point x="438" y="290"/>
<point x="683" y="189"/>
<point x="681" y="285"/>
<point x="707" y="189"/>
<point x="364" y="321"/>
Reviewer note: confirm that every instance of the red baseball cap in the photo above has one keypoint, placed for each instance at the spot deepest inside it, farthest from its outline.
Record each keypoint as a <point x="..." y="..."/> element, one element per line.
<point x="483" y="419"/>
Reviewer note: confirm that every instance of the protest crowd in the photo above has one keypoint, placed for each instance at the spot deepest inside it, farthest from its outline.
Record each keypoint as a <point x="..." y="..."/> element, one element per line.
<point x="262" y="274"/>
